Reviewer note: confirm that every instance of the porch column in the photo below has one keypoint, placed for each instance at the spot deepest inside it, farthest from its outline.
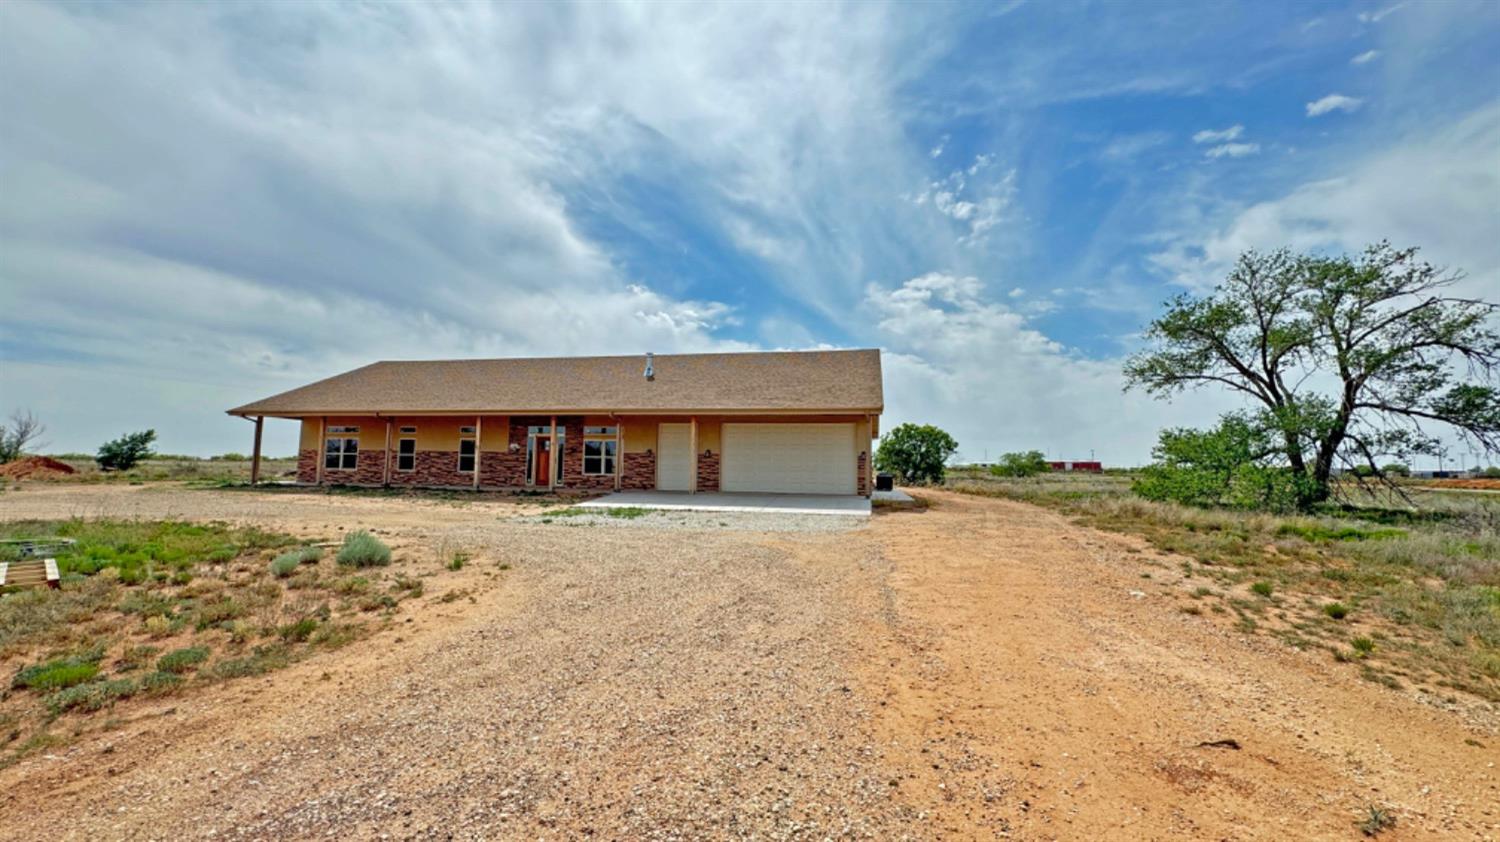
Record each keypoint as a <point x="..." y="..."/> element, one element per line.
<point x="478" y="433"/>
<point x="552" y="462"/>
<point x="322" y="444"/>
<point x="255" y="452"/>
<point x="619" y="450"/>
<point x="693" y="487"/>
<point x="385" y="472"/>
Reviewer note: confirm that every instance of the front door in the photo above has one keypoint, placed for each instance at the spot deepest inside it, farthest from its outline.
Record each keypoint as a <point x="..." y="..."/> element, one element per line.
<point x="674" y="457"/>
<point x="543" y="462"/>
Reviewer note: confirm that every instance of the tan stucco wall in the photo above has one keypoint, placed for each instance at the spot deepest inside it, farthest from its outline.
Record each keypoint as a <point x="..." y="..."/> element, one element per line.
<point x="442" y="432"/>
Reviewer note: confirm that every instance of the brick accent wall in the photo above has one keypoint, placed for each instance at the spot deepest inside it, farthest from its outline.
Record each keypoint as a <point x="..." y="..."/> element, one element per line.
<point x="503" y="469"/>
<point x="862" y="475"/>
<point x="708" y="471"/>
<point x="307" y="466"/>
<point x="430" y="468"/>
<point x="639" y="471"/>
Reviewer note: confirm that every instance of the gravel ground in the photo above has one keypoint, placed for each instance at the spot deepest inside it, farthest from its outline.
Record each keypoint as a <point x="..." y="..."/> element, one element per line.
<point x="735" y="521"/>
<point x="979" y="669"/>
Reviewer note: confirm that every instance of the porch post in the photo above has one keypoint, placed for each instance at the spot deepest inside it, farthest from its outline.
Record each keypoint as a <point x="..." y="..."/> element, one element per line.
<point x="693" y="487"/>
<point x="619" y="450"/>
<point x="478" y="433"/>
<point x="255" y="453"/>
<point x="552" y="462"/>
<point x="322" y="445"/>
<point x="385" y="472"/>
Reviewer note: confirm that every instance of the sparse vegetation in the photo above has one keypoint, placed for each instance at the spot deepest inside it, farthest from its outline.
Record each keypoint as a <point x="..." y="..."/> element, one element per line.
<point x="361" y="549"/>
<point x="1425" y="574"/>
<point x="181" y="660"/>
<point x="18" y="435"/>
<point x="1376" y="821"/>
<point x="1027" y="464"/>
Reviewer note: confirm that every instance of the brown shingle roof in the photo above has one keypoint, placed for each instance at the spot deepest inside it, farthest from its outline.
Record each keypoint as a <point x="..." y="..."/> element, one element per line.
<point x="794" y="381"/>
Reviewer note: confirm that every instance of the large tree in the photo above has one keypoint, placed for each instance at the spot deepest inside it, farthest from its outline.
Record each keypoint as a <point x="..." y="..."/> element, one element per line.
<point x="1347" y="358"/>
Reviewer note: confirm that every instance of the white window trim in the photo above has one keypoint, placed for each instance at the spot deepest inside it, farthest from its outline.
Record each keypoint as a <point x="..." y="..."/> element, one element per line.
<point x="341" y="453"/>
<point x="606" y="457"/>
<point x="399" y="469"/>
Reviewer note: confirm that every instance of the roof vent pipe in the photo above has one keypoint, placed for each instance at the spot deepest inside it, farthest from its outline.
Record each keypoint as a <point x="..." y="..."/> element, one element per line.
<point x="650" y="368"/>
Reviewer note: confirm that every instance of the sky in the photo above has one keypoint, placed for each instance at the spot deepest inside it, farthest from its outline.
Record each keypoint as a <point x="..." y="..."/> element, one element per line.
<point x="205" y="204"/>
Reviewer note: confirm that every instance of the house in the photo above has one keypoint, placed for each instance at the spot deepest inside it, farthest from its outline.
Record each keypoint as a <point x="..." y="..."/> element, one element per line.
<point x="1087" y="466"/>
<point x="782" y="422"/>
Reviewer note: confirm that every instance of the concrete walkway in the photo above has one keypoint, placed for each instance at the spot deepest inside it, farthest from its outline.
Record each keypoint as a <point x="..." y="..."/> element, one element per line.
<point x="718" y="501"/>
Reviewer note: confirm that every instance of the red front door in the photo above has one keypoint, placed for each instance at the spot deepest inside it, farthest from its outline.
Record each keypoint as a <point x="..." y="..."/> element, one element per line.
<point x="543" y="461"/>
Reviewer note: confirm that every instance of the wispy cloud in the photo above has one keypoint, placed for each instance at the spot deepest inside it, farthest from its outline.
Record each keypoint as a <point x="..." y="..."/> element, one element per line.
<point x="937" y="150"/>
<point x="1333" y="102"/>
<point x="1380" y="14"/>
<point x="1232" y="150"/>
<point x="1219" y="136"/>
<point x="1365" y="57"/>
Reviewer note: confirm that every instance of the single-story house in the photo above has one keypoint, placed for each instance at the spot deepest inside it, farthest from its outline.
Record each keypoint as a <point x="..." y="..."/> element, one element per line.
<point x="782" y="422"/>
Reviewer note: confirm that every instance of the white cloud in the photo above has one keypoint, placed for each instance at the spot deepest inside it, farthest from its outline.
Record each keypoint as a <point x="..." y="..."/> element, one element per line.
<point x="979" y="206"/>
<point x="1220" y="136"/>
<point x="1365" y="57"/>
<point x="1333" y="102"/>
<point x="977" y="369"/>
<point x="1128" y="147"/>
<point x="1439" y="190"/>
<point x="938" y="149"/>
<point x="1379" y="14"/>
<point x="1232" y="150"/>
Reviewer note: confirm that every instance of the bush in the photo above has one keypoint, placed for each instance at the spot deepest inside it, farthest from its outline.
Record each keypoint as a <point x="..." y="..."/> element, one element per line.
<point x="181" y="659"/>
<point x="1027" y="464"/>
<point x="57" y="674"/>
<point x="298" y="631"/>
<point x="361" y="549"/>
<point x="1261" y="589"/>
<point x="285" y="565"/>
<point x="1363" y="645"/>
<point x="1223" y="466"/>
<point x="123" y="453"/>
<point x="159" y="682"/>
<point x="91" y="697"/>
<point x="1336" y="610"/>
<point x="915" y="453"/>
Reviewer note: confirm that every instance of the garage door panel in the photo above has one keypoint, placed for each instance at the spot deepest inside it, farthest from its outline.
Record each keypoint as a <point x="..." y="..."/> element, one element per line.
<point x="789" y="458"/>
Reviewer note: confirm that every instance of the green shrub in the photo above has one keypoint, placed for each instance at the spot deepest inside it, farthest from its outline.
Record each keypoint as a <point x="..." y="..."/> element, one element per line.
<point x="123" y="453"/>
<point x="458" y="561"/>
<point x="361" y="549"/>
<point x="1363" y="645"/>
<point x="159" y="682"/>
<point x="180" y="660"/>
<point x="91" y="697"/>
<point x="57" y="673"/>
<point x="1027" y="464"/>
<point x="1336" y="610"/>
<point x="285" y="565"/>
<point x="1261" y="589"/>
<point x="218" y="611"/>
<point x="298" y="631"/>
<point x="915" y="453"/>
<point x="265" y="659"/>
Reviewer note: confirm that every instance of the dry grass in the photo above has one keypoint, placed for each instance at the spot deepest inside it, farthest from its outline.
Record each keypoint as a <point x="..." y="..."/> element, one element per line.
<point x="1421" y="581"/>
<point x="153" y="607"/>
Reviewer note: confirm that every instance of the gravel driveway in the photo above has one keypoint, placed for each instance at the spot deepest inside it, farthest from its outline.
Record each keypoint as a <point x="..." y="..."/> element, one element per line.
<point x="615" y="680"/>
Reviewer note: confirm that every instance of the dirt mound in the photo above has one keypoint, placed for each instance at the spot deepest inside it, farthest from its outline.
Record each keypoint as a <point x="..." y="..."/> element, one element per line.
<point x="36" y="467"/>
<point x="1483" y="484"/>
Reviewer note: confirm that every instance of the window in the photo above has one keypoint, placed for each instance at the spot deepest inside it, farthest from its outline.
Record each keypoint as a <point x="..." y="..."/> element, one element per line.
<point x="466" y="431"/>
<point x="599" y="431"/>
<point x="466" y="455"/>
<point x="341" y="453"/>
<point x="408" y="430"/>
<point x="343" y="429"/>
<point x="599" y="456"/>
<point x="406" y="455"/>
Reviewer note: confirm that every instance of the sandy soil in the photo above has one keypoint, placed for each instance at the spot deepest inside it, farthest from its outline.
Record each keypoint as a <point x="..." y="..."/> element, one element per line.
<point x="981" y="669"/>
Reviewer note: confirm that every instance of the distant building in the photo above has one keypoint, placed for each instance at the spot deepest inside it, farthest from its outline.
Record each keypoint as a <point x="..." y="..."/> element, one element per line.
<point x="1088" y="467"/>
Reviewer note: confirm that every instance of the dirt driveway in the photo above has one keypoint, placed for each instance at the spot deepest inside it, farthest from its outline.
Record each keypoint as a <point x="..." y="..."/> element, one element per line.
<point x="982" y="669"/>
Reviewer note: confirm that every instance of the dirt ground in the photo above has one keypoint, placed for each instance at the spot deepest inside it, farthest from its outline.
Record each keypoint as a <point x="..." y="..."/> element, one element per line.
<point x="980" y="669"/>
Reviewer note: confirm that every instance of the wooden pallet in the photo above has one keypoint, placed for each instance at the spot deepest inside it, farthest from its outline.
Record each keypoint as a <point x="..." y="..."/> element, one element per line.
<point x="30" y="573"/>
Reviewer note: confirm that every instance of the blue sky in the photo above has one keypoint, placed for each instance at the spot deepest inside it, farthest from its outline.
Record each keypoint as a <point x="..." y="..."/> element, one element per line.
<point x="204" y="204"/>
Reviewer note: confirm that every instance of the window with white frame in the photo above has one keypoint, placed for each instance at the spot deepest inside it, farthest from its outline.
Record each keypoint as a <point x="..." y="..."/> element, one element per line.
<point x="406" y="454"/>
<point x="341" y="453"/>
<point x="599" y="451"/>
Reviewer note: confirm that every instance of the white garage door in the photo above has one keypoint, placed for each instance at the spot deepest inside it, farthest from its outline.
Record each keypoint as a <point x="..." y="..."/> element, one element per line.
<point x="674" y="457"/>
<point x="790" y="458"/>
